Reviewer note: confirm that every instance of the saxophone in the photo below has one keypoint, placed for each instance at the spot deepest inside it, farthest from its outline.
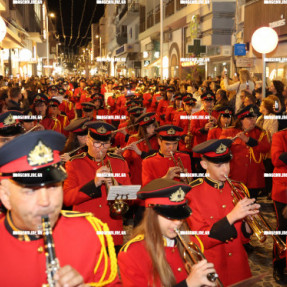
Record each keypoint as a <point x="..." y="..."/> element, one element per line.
<point x="52" y="262"/>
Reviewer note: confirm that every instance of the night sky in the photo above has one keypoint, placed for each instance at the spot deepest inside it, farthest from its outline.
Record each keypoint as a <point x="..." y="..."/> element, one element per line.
<point x="78" y="8"/>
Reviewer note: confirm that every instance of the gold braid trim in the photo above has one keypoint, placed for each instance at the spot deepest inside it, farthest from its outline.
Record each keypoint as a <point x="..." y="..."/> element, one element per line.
<point x="103" y="232"/>
<point x="261" y="156"/>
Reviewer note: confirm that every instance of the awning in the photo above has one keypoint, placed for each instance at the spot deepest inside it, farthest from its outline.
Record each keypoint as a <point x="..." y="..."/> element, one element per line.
<point x="11" y="40"/>
<point x="153" y="64"/>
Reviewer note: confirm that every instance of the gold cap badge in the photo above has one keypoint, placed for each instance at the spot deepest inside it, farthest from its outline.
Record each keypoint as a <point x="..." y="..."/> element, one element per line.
<point x="102" y="130"/>
<point x="226" y="111"/>
<point x="171" y="131"/>
<point x="177" y="195"/>
<point x="146" y="119"/>
<point x="9" y="120"/>
<point x="251" y="110"/>
<point x="40" y="154"/>
<point x="221" y="149"/>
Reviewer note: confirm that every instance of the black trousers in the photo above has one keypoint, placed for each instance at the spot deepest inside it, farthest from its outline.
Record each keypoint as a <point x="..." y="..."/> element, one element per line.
<point x="279" y="263"/>
<point x="268" y="180"/>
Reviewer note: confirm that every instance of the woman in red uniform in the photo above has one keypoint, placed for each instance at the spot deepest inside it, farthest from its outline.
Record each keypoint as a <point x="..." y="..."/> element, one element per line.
<point x="174" y="109"/>
<point x="224" y="121"/>
<point x="153" y="256"/>
<point x="248" y="149"/>
<point x="164" y="103"/>
<point x="76" y="142"/>
<point x="136" y="152"/>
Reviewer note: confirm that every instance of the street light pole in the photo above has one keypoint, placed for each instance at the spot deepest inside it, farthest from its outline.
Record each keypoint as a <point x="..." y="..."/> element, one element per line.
<point x="264" y="40"/>
<point x="47" y="43"/>
<point x="161" y="40"/>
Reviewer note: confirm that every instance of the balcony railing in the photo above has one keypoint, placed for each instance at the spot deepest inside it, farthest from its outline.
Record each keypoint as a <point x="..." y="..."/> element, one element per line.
<point x="169" y="8"/>
<point x="157" y="14"/>
<point x="150" y="19"/>
<point x="179" y="6"/>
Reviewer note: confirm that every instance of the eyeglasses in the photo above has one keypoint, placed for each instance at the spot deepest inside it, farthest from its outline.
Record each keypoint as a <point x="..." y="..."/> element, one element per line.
<point x="99" y="144"/>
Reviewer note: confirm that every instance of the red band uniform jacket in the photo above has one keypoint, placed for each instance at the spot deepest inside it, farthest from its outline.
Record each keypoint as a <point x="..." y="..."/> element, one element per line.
<point x="81" y="193"/>
<point x="247" y="165"/>
<point x="210" y="203"/>
<point x="136" y="265"/>
<point x="23" y="261"/>
<point x="278" y="150"/>
<point x="157" y="165"/>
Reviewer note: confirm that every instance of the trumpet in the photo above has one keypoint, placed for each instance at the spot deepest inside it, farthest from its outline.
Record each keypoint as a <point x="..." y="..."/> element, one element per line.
<point x="178" y="162"/>
<point x="52" y="262"/>
<point x="257" y="222"/>
<point x="192" y="251"/>
<point x="119" y="206"/>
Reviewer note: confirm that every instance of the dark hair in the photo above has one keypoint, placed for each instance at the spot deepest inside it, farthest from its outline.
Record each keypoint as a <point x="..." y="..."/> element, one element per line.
<point x="279" y="86"/>
<point x="14" y="93"/>
<point x="223" y="94"/>
<point x="2" y="105"/>
<point x="251" y="98"/>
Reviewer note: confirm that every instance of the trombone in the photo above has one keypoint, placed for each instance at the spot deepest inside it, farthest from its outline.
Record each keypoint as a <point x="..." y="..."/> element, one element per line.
<point x="192" y="251"/>
<point x="257" y="222"/>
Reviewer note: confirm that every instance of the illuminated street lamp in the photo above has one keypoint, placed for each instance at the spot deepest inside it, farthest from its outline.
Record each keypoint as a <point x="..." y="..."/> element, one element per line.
<point x="52" y="15"/>
<point x="264" y="40"/>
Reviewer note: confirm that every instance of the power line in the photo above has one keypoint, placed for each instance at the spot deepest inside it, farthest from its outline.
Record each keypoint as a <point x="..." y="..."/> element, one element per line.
<point x="63" y="31"/>
<point x="89" y="25"/>
<point x="71" y="23"/>
<point x="81" y="23"/>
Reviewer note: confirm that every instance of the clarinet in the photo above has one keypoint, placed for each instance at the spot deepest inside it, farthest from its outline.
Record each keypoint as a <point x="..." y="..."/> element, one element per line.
<point x="52" y="262"/>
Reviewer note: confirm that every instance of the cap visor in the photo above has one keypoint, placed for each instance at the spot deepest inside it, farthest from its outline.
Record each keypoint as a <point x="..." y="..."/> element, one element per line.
<point x="220" y="159"/>
<point x="173" y="212"/>
<point x="40" y="177"/>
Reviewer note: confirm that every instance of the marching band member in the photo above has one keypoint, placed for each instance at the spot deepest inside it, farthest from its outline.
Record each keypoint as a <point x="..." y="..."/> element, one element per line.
<point x="203" y="121"/>
<point x="279" y="197"/>
<point x="153" y="256"/>
<point x="224" y="121"/>
<point x="40" y="105"/>
<point x="213" y="211"/>
<point x="85" y="188"/>
<point x="248" y="150"/>
<point x="28" y="200"/>
<point x="161" y="164"/>
<point x="136" y="152"/>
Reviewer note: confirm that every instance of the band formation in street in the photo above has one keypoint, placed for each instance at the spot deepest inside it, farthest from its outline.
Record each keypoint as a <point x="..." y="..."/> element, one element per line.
<point x="137" y="182"/>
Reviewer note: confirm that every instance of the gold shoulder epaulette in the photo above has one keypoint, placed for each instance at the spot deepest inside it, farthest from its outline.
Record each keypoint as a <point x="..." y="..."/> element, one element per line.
<point x="70" y="213"/>
<point x="138" y="238"/>
<point x="81" y="155"/>
<point x="231" y="127"/>
<point x="196" y="182"/>
<point x="113" y="155"/>
<point x="151" y="155"/>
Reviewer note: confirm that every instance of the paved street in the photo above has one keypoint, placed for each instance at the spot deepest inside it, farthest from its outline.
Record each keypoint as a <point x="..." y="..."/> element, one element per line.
<point x="261" y="259"/>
